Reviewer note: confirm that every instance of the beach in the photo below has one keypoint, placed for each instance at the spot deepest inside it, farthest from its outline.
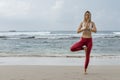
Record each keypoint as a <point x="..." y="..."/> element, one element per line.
<point x="37" y="72"/>
<point x="59" y="40"/>
<point x="58" y="68"/>
<point x="47" y="56"/>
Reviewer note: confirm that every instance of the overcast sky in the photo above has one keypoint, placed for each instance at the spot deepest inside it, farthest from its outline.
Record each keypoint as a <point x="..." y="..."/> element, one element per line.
<point x="45" y="15"/>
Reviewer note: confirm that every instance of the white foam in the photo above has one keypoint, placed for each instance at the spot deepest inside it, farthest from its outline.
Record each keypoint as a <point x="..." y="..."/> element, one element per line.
<point x="23" y="33"/>
<point x="56" y="61"/>
<point x="116" y="32"/>
<point x="50" y="35"/>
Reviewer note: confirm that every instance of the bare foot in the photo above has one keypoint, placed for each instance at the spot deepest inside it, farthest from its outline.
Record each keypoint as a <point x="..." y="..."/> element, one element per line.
<point x="85" y="72"/>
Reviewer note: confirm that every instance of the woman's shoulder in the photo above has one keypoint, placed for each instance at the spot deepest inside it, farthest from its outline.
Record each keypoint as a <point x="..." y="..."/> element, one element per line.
<point x="92" y="22"/>
<point x="82" y="22"/>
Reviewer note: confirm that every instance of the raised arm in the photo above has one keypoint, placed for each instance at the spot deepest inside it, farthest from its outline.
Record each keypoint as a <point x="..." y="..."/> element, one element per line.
<point x="79" y="28"/>
<point x="94" y="29"/>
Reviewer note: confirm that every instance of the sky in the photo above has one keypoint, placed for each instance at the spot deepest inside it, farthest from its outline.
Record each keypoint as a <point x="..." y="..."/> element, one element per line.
<point x="50" y="15"/>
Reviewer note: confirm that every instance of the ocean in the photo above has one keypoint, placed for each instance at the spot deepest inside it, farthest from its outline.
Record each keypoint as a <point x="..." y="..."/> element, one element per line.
<point x="55" y="43"/>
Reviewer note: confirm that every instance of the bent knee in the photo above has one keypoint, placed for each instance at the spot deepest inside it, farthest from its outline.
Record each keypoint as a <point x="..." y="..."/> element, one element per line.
<point x="72" y="49"/>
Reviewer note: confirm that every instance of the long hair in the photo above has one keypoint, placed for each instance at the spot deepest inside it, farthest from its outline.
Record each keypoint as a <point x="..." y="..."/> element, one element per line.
<point x="89" y="20"/>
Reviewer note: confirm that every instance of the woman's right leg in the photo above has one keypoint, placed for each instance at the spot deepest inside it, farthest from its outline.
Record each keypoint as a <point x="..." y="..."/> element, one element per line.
<point x="77" y="46"/>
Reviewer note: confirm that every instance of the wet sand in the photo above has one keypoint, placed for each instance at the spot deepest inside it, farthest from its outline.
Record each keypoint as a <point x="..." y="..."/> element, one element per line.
<point x="40" y="72"/>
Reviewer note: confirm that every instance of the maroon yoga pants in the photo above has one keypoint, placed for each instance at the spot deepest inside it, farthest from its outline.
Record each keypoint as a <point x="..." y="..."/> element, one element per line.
<point x="79" y="46"/>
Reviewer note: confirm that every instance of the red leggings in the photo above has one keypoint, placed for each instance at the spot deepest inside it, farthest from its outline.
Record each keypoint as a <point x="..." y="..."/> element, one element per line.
<point x="79" y="46"/>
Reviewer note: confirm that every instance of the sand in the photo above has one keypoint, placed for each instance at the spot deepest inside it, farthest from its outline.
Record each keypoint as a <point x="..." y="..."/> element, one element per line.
<point x="42" y="72"/>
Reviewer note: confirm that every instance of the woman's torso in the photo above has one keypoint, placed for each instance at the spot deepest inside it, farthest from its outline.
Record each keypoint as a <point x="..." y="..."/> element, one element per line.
<point x="87" y="33"/>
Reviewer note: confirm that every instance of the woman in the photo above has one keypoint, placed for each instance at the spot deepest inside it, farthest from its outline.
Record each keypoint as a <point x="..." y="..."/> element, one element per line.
<point x="85" y="43"/>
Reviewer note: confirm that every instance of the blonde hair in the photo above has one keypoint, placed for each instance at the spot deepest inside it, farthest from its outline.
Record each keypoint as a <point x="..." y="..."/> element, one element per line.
<point x="85" y="20"/>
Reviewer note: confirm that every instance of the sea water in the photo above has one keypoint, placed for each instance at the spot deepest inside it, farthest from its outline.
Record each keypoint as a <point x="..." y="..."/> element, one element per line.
<point x="56" y="43"/>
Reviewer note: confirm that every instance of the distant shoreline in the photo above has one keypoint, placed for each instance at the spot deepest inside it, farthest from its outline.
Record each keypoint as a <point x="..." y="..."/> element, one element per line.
<point x="57" y="61"/>
<point x="50" y="30"/>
